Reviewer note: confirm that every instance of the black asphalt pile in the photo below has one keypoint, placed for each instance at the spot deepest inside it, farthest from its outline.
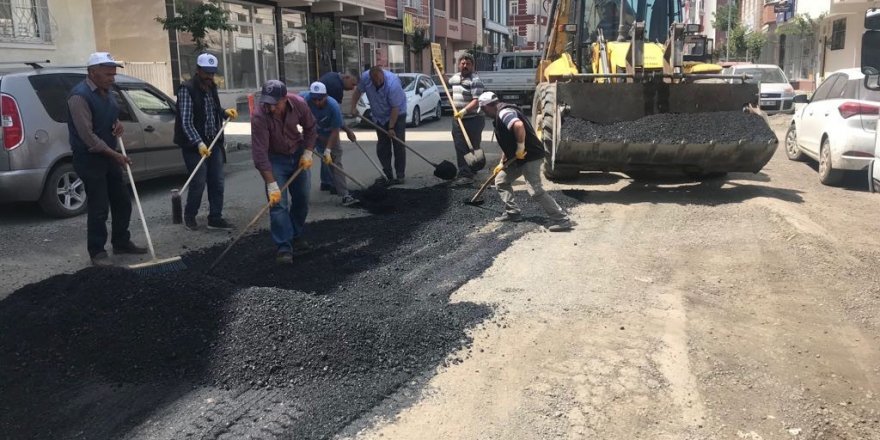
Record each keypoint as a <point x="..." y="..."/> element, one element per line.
<point x="673" y="128"/>
<point x="357" y="316"/>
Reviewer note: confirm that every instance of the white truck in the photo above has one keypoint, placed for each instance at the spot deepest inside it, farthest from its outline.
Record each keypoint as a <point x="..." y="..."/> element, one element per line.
<point x="513" y="77"/>
<point x="871" y="69"/>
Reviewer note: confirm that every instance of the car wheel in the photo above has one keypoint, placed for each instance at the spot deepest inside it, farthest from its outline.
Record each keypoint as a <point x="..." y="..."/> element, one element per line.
<point x="64" y="194"/>
<point x="791" y="147"/>
<point x="438" y="112"/>
<point x="827" y="174"/>
<point x="416" y="117"/>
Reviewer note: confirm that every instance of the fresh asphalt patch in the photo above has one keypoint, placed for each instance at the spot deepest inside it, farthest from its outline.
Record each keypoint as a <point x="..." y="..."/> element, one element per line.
<point x="254" y="348"/>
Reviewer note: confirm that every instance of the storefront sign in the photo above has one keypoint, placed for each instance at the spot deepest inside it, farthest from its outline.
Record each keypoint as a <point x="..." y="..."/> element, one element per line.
<point x="411" y="22"/>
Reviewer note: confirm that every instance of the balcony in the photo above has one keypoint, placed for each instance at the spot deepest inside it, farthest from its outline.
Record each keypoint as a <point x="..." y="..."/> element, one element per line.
<point x="368" y="9"/>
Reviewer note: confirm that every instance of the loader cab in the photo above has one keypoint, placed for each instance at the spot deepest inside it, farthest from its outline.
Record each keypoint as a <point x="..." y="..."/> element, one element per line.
<point x="871" y="69"/>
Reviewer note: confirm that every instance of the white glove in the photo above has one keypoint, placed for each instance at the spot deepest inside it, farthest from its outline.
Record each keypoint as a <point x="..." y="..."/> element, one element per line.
<point x="274" y="193"/>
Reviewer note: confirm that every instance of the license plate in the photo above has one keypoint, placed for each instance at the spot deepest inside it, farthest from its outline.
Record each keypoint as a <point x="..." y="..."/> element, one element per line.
<point x="510" y="97"/>
<point x="768" y="102"/>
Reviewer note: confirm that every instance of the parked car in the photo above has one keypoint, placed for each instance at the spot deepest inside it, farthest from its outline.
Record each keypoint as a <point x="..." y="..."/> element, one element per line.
<point x="35" y="161"/>
<point x="836" y="126"/>
<point x="422" y="99"/>
<point x="445" y="106"/>
<point x="776" y="92"/>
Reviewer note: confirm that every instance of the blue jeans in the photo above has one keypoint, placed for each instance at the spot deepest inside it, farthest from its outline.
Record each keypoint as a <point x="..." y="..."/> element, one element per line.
<point x="210" y="174"/>
<point x="287" y="220"/>
<point x="326" y="172"/>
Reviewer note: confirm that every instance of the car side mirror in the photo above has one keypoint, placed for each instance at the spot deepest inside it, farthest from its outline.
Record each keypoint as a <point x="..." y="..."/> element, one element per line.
<point x="801" y="99"/>
<point x="421" y="91"/>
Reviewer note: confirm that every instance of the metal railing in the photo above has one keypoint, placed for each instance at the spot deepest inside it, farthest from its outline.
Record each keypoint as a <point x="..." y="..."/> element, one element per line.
<point x="25" y="22"/>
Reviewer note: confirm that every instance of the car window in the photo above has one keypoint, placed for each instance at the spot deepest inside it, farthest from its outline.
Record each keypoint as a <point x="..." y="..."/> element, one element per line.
<point x="837" y="90"/>
<point x="124" y="110"/>
<point x="429" y="82"/>
<point x="407" y="82"/>
<point x="148" y="102"/>
<point x="53" y="90"/>
<point x="424" y="83"/>
<point x="764" y="75"/>
<point x="822" y="92"/>
<point x="508" y="63"/>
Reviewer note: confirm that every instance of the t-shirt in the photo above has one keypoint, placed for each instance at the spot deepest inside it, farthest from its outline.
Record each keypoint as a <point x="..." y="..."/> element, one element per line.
<point x="327" y="118"/>
<point x="464" y="90"/>
<point x="333" y="82"/>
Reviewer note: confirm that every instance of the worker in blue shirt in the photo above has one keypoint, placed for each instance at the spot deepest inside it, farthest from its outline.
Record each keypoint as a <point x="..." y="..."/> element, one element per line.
<point x="388" y="110"/>
<point x="328" y="118"/>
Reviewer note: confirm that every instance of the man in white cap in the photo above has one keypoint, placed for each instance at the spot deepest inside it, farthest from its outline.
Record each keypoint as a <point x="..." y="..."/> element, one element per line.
<point x="279" y="148"/>
<point x="93" y="124"/>
<point x="328" y="117"/>
<point x="199" y="118"/>
<point x="517" y="139"/>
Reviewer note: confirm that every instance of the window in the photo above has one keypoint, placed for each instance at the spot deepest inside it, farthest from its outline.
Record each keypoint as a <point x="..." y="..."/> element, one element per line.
<point x="52" y="89"/>
<point x="838" y="33"/>
<point x="26" y="21"/>
<point x="839" y="87"/>
<point x="148" y="102"/>
<point x="453" y="9"/>
<point x="514" y="7"/>
<point x="469" y="10"/>
<point x="415" y="4"/>
<point x="440" y="5"/>
<point x="822" y="92"/>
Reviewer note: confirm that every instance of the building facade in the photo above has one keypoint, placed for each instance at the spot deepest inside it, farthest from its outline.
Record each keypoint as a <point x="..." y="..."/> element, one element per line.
<point x="527" y="20"/>
<point x="840" y="35"/>
<point x="496" y="34"/>
<point x="455" y="27"/>
<point x="40" y="30"/>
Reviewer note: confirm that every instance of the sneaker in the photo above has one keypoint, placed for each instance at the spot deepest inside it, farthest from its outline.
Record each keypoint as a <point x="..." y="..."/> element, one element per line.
<point x="284" y="257"/>
<point x="348" y="200"/>
<point x="190" y="223"/>
<point x="220" y="223"/>
<point x="560" y="226"/>
<point x="101" y="259"/>
<point x="509" y="217"/>
<point x="129" y="248"/>
<point x="463" y="181"/>
<point x="397" y="181"/>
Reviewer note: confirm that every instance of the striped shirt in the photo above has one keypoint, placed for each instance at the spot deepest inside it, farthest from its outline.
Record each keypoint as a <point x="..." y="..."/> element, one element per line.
<point x="185" y="107"/>
<point x="464" y="90"/>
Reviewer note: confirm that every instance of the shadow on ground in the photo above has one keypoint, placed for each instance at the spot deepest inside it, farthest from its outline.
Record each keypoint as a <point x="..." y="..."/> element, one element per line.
<point x="104" y="353"/>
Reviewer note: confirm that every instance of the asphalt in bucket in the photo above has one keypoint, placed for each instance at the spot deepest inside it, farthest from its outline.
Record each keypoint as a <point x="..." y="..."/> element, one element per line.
<point x="254" y="349"/>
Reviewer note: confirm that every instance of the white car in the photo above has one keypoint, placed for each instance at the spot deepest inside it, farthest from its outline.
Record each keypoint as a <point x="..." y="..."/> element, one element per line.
<point x="836" y="126"/>
<point x="776" y="92"/>
<point x="422" y="99"/>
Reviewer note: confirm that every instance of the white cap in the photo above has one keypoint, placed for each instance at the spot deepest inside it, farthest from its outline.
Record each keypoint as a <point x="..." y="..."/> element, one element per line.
<point x="102" y="59"/>
<point x="487" y="98"/>
<point x="318" y="88"/>
<point x="207" y="62"/>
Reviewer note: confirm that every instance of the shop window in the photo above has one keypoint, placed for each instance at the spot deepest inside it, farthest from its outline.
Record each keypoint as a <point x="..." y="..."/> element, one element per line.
<point x="838" y="33"/>
<point x="296" y="59"/>
<point x="453" y="9"/>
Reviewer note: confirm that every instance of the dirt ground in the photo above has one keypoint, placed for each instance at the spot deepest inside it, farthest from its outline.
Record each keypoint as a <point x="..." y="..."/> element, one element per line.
<point x="742" y="309"/>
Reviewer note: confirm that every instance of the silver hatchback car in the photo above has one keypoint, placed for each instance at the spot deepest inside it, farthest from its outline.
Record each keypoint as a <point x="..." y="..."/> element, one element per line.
<point x="35" y="160"/>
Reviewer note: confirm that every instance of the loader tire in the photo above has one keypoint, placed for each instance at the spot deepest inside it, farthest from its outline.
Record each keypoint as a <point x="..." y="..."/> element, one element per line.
<point x="544" y="117"/>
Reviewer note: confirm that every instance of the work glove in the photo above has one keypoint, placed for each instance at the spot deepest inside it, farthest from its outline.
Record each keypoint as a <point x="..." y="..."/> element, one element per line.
<point x="520" y="150"/>
<point x="305" y="162"/>
<point x="498" y="168"/>
<point x="231" y="113"/>
<point x="274" y="193"/>
<point x="459" y="114"/>
<point x="203" y="150"/>
<point x="328" y="158"/>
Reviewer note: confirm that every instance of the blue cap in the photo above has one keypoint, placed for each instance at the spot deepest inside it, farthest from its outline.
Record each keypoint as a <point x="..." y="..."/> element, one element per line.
<point x="272" y="92"/>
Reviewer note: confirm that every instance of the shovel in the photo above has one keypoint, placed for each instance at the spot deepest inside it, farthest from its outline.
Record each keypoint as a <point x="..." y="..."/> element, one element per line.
<point x="475" y="159"/>
<point x="476" y="200"/>
<point x="445" y="170"/>
<point x="373" y="193"/>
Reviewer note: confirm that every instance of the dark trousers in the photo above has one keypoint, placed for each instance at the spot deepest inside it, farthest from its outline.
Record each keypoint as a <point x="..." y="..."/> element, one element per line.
<point x="384" y="149"/>
<point x="210" y="174"/>
<point x="473" y="127"/>
<point x="107" y="193"/>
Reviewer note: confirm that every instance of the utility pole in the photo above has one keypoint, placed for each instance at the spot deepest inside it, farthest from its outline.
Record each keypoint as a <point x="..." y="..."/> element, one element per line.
<point x="727" y="35"/>
<point x="621" y="28"/>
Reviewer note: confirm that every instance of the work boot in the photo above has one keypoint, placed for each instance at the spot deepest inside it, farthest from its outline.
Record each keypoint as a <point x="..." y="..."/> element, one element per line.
<point x="190" y="223"/>
<point x="220" y="223"/>
<point x="129" y="248"/>
<point x="101" y="259"/>
<point x="397" y="181"/>
<point x="560" y="226"/>
<point x="382" y="181"/>
<point x="326" y="187"/>
<point x="509" y="217"/>
<point x="301" y="245"/>
<point x="284" y="257"/>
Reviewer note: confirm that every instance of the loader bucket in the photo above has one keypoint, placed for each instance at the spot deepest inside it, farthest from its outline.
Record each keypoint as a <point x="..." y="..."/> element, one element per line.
<point x="658" y="127"/>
